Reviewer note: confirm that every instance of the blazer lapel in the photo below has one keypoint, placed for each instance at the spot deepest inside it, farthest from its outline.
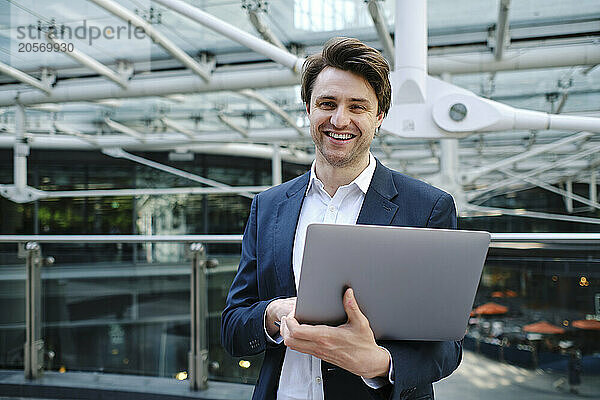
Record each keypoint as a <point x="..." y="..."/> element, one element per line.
<point x="288" y="213"/>
<point x="377" y="208"/>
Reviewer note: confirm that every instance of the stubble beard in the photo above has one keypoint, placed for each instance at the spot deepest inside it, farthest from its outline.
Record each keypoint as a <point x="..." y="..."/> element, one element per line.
<point x="349" y="159"/>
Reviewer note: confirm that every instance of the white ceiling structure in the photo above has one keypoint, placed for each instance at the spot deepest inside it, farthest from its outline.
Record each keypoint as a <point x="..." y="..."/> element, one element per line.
<point x="221" y="77"/>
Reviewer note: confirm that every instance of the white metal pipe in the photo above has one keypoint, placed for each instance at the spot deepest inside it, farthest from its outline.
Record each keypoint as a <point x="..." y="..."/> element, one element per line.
<point x="234" y="33"/>
<point x="501" y="29"/>
<point x="96" y="89"/>
<point x="536" y="171"/>
<point x="176" y="126"/>
<point x="572" y="122"/>
<point x="153" y="191"/>
<point x="119" y="153"/>
<point x="471" y="176"/>
<point x="23" y="77"/>
<point x="229" y="123"/>
<point x="382" y="29"/>
<point x="124" y="129"/>
<point x="253" y="94"/>
<point x="73" y="132"/>
<point x="567" y="194"/>
<point x="256" y="18"/>
<point x="89" y="62"/>
<point x="532" y="214"/>
<point x="156" y="36"/>
<point x="515" y="59"/>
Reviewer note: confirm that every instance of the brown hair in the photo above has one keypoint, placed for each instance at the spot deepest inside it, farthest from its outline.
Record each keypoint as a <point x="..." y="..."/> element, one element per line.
<point x="351" y="55"/>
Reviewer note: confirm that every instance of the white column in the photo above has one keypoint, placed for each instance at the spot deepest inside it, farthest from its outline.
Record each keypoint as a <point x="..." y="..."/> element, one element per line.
<point x="410" y="57"/>
<point x="21" y="149"/>
<point x="276" y="164"/>
<point x="593" y="187"/>
<point x="568" y="199"/>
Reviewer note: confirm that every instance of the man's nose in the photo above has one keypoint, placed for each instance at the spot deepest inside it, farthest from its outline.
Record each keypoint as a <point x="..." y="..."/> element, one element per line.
<point x="340" y="117"/>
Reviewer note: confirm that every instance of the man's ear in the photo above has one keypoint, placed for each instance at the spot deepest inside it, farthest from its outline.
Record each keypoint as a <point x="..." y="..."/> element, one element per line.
<point x="380" y="117"/>
<point x="307" y="106"/>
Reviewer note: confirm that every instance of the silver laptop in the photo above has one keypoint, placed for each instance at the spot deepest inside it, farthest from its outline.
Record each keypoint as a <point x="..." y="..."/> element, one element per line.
<point x="411" y="283"/>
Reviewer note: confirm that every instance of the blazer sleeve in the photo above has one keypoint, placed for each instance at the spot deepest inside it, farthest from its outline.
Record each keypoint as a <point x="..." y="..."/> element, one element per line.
<point x="242" y="326"/>
<point x="420" y="363"/>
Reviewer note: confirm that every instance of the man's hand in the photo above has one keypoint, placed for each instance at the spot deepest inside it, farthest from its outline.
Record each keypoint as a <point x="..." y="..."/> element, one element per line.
<point x="276" y="310"/>
<point x="350" y="346"/>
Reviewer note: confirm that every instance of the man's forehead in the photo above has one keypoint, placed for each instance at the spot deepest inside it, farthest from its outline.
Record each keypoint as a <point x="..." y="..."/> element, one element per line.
<point x="334" y="83"/>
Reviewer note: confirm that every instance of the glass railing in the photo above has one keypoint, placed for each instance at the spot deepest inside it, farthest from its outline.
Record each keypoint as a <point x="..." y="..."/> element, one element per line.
<point x="151" y="305"/>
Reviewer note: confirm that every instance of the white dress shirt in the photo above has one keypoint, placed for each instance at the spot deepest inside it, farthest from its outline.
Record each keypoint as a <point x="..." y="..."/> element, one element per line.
<point x="300" y="377"/>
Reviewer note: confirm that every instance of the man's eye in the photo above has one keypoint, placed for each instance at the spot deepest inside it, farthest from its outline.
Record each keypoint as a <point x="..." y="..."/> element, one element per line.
<point x="327" y="104"/>
<point x="358" y="107"/>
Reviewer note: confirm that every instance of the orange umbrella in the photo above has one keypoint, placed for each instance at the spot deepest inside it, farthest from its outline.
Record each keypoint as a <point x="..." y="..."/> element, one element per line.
<point x="510" y="293"/>
<point x="491" y="308"/>
<point x="589" y="324"/>
<point x="497" y="294"/>
<point x="543" y="327"/>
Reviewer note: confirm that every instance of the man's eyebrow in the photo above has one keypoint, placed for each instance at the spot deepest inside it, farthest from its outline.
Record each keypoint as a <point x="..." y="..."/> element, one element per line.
<point x="352" y="99"/>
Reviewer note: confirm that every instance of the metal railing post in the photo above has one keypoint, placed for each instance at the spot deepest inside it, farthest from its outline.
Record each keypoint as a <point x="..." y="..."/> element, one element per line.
<point x="198" y="356"/>
<point x="34" y="344"/>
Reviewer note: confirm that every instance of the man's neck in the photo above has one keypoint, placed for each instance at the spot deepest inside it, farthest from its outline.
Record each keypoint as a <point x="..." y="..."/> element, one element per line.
<point x="334" y="177"/>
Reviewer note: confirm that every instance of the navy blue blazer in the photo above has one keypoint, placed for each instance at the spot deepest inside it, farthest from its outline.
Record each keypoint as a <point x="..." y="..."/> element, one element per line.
<point x="265" y="273"/>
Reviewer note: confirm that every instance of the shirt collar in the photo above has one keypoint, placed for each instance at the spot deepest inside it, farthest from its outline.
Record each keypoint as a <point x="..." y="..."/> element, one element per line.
<point x="363" y="180"/>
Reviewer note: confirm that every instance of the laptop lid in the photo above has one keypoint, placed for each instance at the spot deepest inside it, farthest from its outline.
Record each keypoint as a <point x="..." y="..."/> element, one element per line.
<point x="411" y="283"/>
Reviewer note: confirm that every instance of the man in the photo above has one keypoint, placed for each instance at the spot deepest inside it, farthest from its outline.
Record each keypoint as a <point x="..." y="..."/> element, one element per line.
<point x="347" y="94"/>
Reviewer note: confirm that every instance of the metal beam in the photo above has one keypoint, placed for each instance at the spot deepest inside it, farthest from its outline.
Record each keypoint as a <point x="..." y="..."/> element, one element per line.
<point x="529" y="214"/>
<point x="151" y="191"/>
<point x="69" y="131"/>
<point x="119" y="153"/>
<point x="89" y="62"/>
<point x="155" y="84"/>
<point x="256" y="19"/>
<point x="536" y="171"/>
<point x="471" y="176"/>
<point x="287" y="118"/>
<point x="265" y="48"/>
<point x="155" y="35"/>
<point x="382" y="29"/>
<point x="502" y="36"/>
<point x="23" y="77"/>
<point x="228" y="122"/>
<point x="567" y="194"/>
<point x="176" y="126"/>
<point x="124" y="129"/>
<point x="515" y="59"/>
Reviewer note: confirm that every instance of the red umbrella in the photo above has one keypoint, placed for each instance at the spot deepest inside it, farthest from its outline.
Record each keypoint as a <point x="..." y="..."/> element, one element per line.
<point x="543" y="327"/>
<point x="490" y="309"/>
<point x="588" y="324"/>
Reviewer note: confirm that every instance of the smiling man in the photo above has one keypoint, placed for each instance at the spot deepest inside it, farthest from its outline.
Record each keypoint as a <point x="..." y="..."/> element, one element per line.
<point x="347" y="94"/>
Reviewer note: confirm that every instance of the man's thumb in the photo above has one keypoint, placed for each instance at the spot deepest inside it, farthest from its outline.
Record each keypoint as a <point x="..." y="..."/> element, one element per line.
<point x="350" y="304"/>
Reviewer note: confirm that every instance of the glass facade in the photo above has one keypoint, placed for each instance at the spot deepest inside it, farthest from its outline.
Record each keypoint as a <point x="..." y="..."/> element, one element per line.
<point x="125" y="308"/>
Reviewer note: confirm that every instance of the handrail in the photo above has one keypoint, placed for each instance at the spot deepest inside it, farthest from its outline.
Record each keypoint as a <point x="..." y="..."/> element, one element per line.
<point x="496" y="237"/>
<point x="121" y="238"/>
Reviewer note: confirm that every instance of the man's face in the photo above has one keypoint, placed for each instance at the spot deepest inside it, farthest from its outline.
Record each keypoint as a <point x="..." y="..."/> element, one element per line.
<point x="343" y="117"/>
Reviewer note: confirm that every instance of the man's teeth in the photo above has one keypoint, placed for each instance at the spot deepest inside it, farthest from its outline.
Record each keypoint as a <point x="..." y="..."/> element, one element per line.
<point x="341" y="136"/>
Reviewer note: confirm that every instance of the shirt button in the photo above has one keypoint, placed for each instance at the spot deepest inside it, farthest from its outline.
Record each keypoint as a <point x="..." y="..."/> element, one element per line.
<point x="332" y="209"/>
<point x="318" y="379"/>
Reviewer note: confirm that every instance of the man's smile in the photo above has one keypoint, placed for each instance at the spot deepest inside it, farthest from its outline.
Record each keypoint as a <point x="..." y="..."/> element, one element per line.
<point x="339" y="135"/>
